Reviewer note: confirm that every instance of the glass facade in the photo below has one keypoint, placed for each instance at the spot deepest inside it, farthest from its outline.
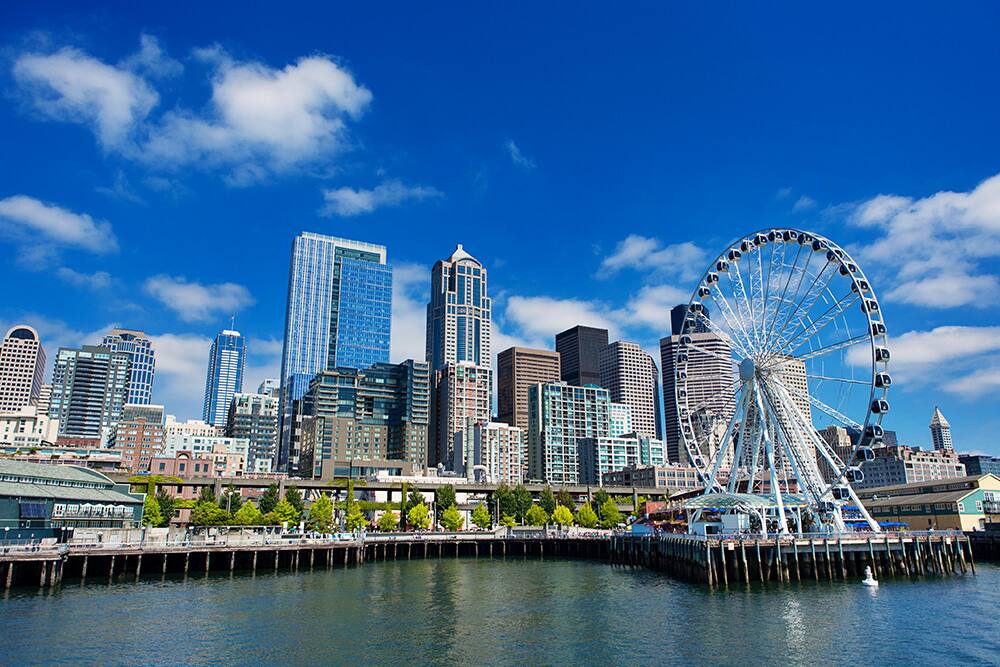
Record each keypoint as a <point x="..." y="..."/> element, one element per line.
<point x="142" y="362"/>
<point x="226" y="364"/>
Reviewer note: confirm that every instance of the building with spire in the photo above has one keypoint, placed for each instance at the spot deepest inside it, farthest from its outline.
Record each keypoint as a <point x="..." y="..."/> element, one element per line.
<point x="142" y="361"/>
<point x="226" y="364"/>
<point x="941" y="431"/>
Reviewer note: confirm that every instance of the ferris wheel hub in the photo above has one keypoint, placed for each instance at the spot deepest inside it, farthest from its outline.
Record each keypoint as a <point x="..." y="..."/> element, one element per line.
<point x="747" y="369"/>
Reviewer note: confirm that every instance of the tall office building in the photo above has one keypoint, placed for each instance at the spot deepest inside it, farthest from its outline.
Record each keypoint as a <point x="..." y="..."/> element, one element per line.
<point x="629" y="375"/>
<point x="560" y="418"/>
<point x="941" y="431"/>
<point x="89" y="390"/>
<point x="710" y="386"/>
<point x="254" y="417"/>
<point x="517" y="369"/>
<point x="579" y="351"/>
<point x="226" y="362"/>
<point x="142" y="361"/>
<point x="338" y="314"/>
<point x="459" y="350"/>
<point x="22" y="368"/>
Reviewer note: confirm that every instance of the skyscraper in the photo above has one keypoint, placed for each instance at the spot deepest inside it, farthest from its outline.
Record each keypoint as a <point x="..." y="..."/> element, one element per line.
<point x="579" y="351"/>
<point x="629" y="375"/>
<point x="517" y="369"/>
<point x="459" y="349"/>
<point x="89" y="388"/>
<point x="941" y="431"/>
<point x="254" y="417"/>
<point x="338" y="314"/>
<point x="142" y="361"/>
<point x="226" y="363"/>
<point x="560" y="417"/>
<point x="22" y="368"/>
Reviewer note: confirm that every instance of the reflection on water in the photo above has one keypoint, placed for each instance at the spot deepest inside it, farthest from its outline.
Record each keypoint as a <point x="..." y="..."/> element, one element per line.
<point x="482" y="612"/>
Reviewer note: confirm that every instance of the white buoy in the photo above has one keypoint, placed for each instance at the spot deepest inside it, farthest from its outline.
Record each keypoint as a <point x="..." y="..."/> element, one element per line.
<point x="869" y="580"/>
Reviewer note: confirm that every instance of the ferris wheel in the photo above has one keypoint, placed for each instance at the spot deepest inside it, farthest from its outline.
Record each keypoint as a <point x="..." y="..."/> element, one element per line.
<point x="781" y="376"/>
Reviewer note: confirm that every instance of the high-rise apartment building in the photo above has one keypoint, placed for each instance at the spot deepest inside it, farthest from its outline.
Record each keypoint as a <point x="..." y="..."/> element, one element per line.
<point x="254" y="417"/>
<point x="462" y="401"/>
<point x="338" y="314"/>
<point x="499" y="449"/>
<point x="560" y="416"/>
<point x="941" y="431"/>
<point x="22" y="368"/>
<point x="44" y="400"/>
<point x="89" y="390"/>
<point x="138" y="441"/>
<point x="579" y="351"/>
<point x="619" y="419"/>
<point x="142" y="361"/>
<point x="226" y="363"/>
<point x="629" y="375"/>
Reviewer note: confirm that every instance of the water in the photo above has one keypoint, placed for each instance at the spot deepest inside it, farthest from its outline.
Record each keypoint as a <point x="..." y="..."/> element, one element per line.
<point x="482" y="612"/>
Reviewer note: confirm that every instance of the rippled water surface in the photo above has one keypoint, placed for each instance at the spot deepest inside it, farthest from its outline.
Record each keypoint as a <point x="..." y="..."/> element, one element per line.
<point x="482" y="612"/>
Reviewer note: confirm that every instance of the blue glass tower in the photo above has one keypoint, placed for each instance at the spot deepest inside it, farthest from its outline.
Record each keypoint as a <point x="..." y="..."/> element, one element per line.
<point x="338" y="316"/>
<point x="142" y="362"/>
<point x="226" y="363"/>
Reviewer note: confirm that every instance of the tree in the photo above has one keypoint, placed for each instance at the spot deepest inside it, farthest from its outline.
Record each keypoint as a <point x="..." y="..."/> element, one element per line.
<point x="388" y="522"/>
<point x="565" y="498"/>
<point x="321" y="514"/>
<point x="419" y="517"/>
<point x="640" y="506"/>
<point x="206" y="495"/>
<point x="230" y="500"/>
<point x="355" y="519"/>
<point x="562" y="516"/>
<point x="504" y="499"/>
<point x="536" y="516"/>
<point x="610" y="514"/>
<point x="481" y="517"/>
<point x="586" y="516"/>
<point x="445" y="498"/>
<point x="209" y="514"/>
<point x="452" y="519"/>
<point x="151" y="515"/>
<point x="547" y="500"/>
<point x="286" y="512"/>
<point x="271" y="519"/>
<point x="402" y="505"/>
<point x="167" y="505"/>
<point x="415" y="498"/>
<point x="507" y="521"/>
<point x="248" y="515"/>
<point x="522" y="502"/>
<point x="269" y="499"/>
<point x="600" y="498"/>
<point x="294" y="498"/>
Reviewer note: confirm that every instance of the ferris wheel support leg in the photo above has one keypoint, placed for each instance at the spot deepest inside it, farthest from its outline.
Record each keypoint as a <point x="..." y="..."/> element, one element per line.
<point x="864" y="512"/>
<point x="769" y="453"/>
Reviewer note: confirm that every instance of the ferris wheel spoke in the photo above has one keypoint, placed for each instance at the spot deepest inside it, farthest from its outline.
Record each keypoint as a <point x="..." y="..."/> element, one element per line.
<point x="789" y="308"/>
<point x="715" y="397"/>
<point x="821" y="351"/>
<point x="727" y="336"/>
<point x="837" y="379"/>
<point x="711" y="353"/>
<point x="830" y="315"/>
<point x="784" y="290"/>
<point x="773" y="305"/>
<point x="833" y="412"/>
<point x="743" y="304"/>
<point x="809" y="300"/>
<point x="735" y="325"/>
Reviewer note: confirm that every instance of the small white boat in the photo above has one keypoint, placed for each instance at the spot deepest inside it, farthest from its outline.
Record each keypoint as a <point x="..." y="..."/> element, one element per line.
<point x="869" y="580"/>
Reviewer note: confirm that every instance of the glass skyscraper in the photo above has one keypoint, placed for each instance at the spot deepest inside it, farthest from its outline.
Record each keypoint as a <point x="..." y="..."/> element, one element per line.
<point x="226" y="363"/>
<point x="142" y="361"/>
<point x="338" y="316"/>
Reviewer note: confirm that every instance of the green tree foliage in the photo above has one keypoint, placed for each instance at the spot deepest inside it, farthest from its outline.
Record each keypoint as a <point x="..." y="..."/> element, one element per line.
<point x="415" y="498"/>
<point x="388" y="522"/>
<point x="481" y="517"/>
<point x="522" y="502"/>
<point x="151" y="515"/>
<point x="640" y="506"/>
<point x="504" y="499"/>
<point x="562" y="516"/>
<point x="230" y="500"/>
<point x="248" y="515"/>
<point x="271" y="519"/>
<point x="269" y="499"/>
<point x="168" y="508"/>
<point x="452" y="519"/>
<point x="565" y="498"/>
<point x="586" y="516"/>
<point x="547" y="500"/>
<point x="610" y="514"/>
<point x="355" y="519"/>
<point x="600" y="498"/>
<point x="507" y="521"/>
<point x="402" y="504"/>
<point x="294" y="498"/>
<point x="444" y="498"/>
<point x="321" y="514"/>
<point x="419" y="517"/>
<point x="285" y="511"/>
<point x="536" y="516"/>
<point x="209" y="514"/>
<point x="206" y="495"/>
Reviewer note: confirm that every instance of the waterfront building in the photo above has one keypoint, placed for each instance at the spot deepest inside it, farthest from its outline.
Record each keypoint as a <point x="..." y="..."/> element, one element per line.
<point x="22" y="368"/>
<point x="44" y="401"/>
<point x="710" y="385"/>
<point x="980" y="464"/>
<point x="673" y="477"/>
<point x="226" y="365"/>
<point x="904" y="465"/>
<point x="338" y="314"/>
<point x="619" y="419"/>
<point x="499" y="449"/>
<point x="560" y="415"/>
<point x="629" y="375"/>
<point x="217" y="460"/>
<point x="940" y="431"/>
<point x="958" y="503"/>
<point x="26" y="428"/>
<point x="142" y="361"/>
<point x="40" y="496"/>
<point x="154" y="414"/>
<point x="89" y="390"/>
<point x="579" y="351"/>
<point x="98" y="458"/>
<point x="255" y="418"/>
<point x="138" y="441"/>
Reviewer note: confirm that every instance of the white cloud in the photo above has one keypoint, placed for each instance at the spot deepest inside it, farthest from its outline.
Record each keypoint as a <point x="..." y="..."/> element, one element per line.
<point x="517" y="157"/>
<point x="540" y="318"/>
<point x="41" y="228"/>
<point x="804" y="203"/>
<point x="347" y="202"/>
<point x="410" y="292"/>
<point x="263" y="361"/>
<point x="152" y="60"/>
<point x="685" y="260"/>
<point x="651" y="306"/>
<point x="181" y="364"/>
<point x="192" y="301"/>
<point x="937" y="247"/>
<point x="98" y="280"/>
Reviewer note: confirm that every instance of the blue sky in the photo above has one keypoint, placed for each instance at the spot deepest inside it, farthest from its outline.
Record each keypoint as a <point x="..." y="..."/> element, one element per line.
<point x="157" y="165"/>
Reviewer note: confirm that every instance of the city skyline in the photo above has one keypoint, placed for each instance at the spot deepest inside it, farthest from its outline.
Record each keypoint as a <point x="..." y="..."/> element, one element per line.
<point x="619" y="260"/>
